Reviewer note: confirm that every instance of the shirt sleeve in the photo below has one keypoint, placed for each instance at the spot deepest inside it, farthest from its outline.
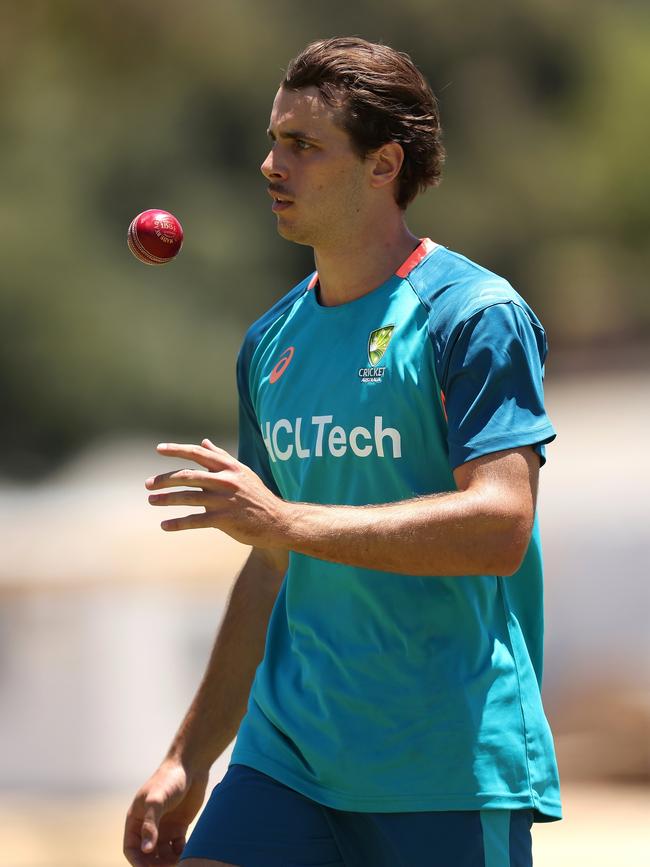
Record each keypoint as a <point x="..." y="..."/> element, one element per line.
<point x="252" y="450"/>
<point x="493" y="388"/>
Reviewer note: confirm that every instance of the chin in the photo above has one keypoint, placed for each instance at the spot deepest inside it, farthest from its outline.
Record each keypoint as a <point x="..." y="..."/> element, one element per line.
<point x="292" y="233"/>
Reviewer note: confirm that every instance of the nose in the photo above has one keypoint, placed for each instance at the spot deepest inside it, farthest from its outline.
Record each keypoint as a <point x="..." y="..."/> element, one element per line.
<point x="271" y="168"/>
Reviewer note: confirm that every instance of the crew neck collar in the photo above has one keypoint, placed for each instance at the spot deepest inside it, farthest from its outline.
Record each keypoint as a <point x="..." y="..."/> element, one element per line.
<point x="423" y="249"/>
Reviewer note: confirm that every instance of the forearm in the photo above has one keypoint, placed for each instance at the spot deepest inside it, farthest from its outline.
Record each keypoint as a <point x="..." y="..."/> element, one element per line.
<point x="457" y="533"/>
<point x="481" y="528"/>
<point x="220" y="703"/>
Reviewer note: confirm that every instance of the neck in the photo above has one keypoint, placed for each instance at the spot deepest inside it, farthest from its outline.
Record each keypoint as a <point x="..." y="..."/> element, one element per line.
<point x="368" y="259"/>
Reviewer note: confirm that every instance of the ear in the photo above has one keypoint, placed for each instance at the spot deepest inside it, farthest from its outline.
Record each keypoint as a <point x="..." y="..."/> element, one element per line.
<point x="385" y="164"/>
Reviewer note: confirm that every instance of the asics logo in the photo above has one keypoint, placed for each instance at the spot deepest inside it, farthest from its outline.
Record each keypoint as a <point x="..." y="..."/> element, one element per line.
<point x="283" y="363"/>
<point x="318" y="435"/>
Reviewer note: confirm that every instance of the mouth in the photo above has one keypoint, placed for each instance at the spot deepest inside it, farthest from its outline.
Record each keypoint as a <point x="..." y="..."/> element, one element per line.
<point x="278" y="206"/>
<point x="280" y="202"/>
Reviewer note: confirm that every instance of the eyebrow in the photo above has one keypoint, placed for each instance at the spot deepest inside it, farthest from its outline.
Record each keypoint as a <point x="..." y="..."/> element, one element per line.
<point x="292" y="134"/>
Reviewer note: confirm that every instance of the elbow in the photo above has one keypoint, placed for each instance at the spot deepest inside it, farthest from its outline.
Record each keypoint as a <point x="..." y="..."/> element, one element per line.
<point x="510" y="566"/>
<point x="503" y="542"/>
<point x="513" y="546"/>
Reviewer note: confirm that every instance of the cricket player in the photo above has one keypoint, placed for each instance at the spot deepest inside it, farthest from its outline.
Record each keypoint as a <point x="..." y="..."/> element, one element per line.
<point x="380" y="658"/>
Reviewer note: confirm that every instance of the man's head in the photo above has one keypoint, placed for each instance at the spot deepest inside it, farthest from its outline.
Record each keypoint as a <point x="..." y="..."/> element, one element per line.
<point x="380" y="96"/>
<point x="356" y="134"/>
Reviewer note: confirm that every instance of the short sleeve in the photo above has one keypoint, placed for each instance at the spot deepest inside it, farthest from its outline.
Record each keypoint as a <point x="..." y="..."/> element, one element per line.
<point x="252" y="450"/>
<point x="493" y="387"/>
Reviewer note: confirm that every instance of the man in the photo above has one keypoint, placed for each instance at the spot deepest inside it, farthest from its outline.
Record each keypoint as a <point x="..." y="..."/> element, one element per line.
<point x="389" y="617"/>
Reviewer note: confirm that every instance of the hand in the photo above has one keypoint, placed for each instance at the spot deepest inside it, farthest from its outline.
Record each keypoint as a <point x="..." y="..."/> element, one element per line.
<point x="158" y="818"/>
<point x="234" y="498"/>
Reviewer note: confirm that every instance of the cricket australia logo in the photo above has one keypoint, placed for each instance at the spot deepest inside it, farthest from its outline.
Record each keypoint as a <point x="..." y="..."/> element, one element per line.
<point x="377" y="345"/>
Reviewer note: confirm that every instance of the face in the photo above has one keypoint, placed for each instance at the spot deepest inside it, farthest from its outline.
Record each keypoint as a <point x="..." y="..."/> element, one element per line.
<point x="319" y="185"/>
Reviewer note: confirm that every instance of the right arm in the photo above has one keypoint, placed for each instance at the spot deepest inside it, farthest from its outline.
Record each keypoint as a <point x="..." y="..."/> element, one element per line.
<point x="164" y="807"/>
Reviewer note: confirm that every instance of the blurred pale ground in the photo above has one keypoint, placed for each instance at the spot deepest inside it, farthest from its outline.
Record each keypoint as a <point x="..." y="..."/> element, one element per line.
<point x="106" y="623"/>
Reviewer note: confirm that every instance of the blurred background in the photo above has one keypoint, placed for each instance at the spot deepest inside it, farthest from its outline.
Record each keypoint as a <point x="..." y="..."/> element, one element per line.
<point x="108" y="109"/>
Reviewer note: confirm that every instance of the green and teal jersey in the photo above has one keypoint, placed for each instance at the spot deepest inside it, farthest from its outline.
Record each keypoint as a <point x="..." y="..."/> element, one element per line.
<point x="385" y="692"/>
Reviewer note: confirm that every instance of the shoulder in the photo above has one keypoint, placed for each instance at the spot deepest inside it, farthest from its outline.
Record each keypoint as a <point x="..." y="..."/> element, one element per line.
<point x="265" y="323"/>
<point x="454" y="290"/>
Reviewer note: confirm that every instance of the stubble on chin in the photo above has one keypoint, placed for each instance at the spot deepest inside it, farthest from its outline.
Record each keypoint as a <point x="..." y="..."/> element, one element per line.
<point x="296" y="234"/>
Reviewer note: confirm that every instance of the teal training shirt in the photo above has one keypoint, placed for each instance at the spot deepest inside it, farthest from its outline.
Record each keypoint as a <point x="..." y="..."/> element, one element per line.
<point x="384" y="692"/>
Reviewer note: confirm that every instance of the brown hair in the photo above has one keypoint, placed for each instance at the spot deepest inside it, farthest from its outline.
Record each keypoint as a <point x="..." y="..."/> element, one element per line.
<point x="383" y="97"/>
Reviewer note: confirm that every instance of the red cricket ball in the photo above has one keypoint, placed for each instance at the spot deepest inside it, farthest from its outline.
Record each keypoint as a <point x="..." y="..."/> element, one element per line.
<point x="155" y="237"/>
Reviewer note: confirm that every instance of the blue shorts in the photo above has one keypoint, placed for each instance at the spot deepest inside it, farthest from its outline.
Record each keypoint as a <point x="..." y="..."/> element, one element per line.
<point x="252" y="820"/>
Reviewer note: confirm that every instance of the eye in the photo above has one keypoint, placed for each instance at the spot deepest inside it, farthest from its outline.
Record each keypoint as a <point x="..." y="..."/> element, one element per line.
<point x="302" y="145"/>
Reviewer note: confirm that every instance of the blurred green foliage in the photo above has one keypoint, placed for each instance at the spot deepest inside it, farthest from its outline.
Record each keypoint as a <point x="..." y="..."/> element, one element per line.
<point x="108" y="109"/>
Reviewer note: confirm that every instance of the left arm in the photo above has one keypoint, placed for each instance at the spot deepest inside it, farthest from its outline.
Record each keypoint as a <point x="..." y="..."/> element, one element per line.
<point x="482" y="528"/>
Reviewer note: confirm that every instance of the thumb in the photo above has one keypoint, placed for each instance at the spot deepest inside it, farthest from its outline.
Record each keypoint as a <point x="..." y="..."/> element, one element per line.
<point x="149" y="833"/>
<point x="208" y="444"/>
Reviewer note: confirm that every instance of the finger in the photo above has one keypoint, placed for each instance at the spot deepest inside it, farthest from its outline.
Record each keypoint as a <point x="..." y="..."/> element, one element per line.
<point x="174" y="834"/>
<point x="166" y="854"/>
<point x="149" y="832"/>
<point x="178" y="844"/>
<point x="190" y="522"/>
<point x="132" y="843"/>
<point x="186" y="477"/>
<point x="210" y="458"/>
<point x="208" y="444"/>
<point x="137" y="858"/>
<point x="171" y="841"/>
<point x="182" y="498"/>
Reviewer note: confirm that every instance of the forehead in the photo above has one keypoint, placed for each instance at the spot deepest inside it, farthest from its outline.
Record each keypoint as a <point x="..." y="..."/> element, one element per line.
<point x="306" y="110"/>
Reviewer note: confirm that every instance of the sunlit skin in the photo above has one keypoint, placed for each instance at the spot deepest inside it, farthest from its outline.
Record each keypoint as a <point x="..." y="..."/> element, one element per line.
<point x="340" y="204"/>
<point x="312" y="167"/>
<point x="344" y="207"/>
<point x="481" y="528"/>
